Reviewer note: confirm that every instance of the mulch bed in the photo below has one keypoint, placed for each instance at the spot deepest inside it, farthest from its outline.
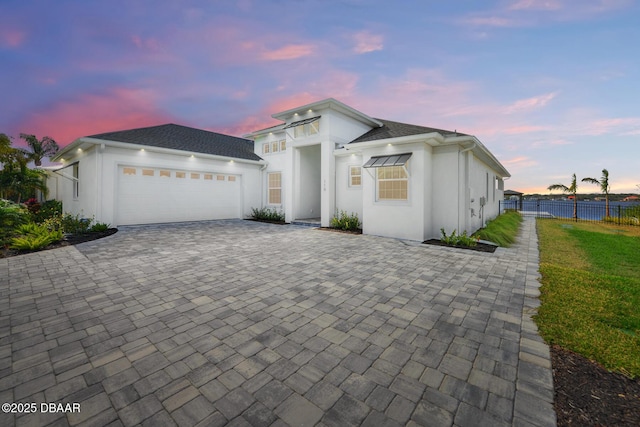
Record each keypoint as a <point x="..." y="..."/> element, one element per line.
<point x="267" y="221"/>
<point x="479" y="247"/>
<point x="586" y="394"/>
<point x="72" y="239"/>
<point x="337" y="230"/>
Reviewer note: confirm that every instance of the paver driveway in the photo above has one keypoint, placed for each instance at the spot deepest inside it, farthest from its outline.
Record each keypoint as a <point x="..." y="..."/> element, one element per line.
<point x="243" y="323"/>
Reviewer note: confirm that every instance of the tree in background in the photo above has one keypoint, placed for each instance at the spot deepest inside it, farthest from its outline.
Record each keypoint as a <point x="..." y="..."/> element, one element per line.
<point x="40" y="148"/>
<point x="572" y="189"/>
<point x="17" y="181"/>
<point x="5" y="145"/>
<point x="604" y="187"/>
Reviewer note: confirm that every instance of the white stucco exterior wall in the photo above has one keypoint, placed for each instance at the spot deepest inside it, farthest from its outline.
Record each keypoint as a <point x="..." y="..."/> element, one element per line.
<point x="98" y="170"/>
<point x="348" y="198"/>
<point x="399" y="219"/>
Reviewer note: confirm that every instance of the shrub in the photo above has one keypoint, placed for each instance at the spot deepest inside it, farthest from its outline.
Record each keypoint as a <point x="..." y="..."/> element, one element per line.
<point x="32" y="205"/>
<point x="347" y="222"/>
<point x="34" y="237"/>
<point x="12" y="215"/>
<point x="53" y="223"/>
<point x="455" y="239"/>
<point x="267" y="214"/>
<point x="74" y="224"/>
<point x="30" y="228"/>
<point x="32" y="242"/>
<point x="99" y="227"/>
<point x="49" y="209"/>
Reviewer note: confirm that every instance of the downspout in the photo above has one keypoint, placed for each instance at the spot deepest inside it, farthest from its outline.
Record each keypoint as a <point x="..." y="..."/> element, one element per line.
<point x="473" y="145"/>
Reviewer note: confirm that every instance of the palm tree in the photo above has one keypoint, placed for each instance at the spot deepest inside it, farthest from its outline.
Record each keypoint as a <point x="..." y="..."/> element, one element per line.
<point x="604" y="186"/>
<point x="5" y="147"/>
<point x="17" y="181"/>
<point x="45" y="147"/>
<point x="572" y="189"/>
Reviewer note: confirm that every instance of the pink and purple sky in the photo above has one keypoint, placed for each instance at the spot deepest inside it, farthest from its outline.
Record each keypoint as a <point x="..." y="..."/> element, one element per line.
<point x="551" y="87"/>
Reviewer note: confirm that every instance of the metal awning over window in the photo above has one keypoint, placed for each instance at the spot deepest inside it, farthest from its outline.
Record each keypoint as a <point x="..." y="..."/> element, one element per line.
<point x="302" y="122"/>
<point x="392" y="160"/>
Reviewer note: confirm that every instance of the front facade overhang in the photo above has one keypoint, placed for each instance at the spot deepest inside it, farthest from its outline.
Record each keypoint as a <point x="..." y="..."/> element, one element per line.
<point x="433" y="139"/>
<point x="331" y="104"/>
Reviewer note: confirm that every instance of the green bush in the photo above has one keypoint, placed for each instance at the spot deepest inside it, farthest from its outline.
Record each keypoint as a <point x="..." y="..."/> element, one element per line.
<point x="74" y="224"/>
<point x="54" y="223"/>
<point x="12" y="215"/>
<point x="30" y="228"/>
<point x="49" y="209"/>
<point x="345" y="221"/>
<point x="34" y="237"/>
<point x="32" y="242"/>
<point x="99" y="227"/>
<point x="267" y="214"/>
<point x="455" y="239"/>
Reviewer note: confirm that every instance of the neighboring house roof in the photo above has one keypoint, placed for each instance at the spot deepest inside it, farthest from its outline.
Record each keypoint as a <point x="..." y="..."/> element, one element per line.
<point x="184" y="138"/>
<point x="512" y="193"/>
<point x="390" y="129"/>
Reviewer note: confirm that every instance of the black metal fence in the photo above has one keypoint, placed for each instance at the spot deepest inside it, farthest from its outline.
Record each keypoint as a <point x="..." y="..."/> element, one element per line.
<point x="584" y="210"/>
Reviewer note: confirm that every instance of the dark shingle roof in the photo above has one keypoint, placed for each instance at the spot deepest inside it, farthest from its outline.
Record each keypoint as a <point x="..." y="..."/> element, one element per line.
<point x="391" y="129"/>
<point x="184" y="138"/>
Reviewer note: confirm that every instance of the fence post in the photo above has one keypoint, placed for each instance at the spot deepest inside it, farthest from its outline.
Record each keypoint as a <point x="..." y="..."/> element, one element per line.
<point x="619" y="214"/>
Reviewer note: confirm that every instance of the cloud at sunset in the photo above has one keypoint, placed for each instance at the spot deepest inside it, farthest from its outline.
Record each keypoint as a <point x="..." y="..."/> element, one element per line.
<point x="366" y="41"/>
<point x="90" y="114"/>
<point x="530" y="103"/>
<point x="292" y="51"/>
<point x="12" y="38"/>
<point x="536" y="5"/>
<point x="530" y="78"/>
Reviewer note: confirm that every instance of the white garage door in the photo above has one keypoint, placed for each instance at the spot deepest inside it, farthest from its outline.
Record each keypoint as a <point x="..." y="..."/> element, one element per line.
<point x="154" y="195"/>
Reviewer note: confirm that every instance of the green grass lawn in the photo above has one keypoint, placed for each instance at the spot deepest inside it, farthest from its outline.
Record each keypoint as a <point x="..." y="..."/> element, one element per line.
<point x="590" y="291"/>
<point x="502" y="230"/>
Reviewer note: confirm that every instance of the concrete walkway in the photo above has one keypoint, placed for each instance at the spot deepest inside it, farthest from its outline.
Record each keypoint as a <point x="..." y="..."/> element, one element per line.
<point x="242" y="323"/>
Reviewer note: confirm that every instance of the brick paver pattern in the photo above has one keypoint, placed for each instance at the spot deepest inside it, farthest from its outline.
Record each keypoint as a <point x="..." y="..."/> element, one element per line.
<point x="242" y="323"/>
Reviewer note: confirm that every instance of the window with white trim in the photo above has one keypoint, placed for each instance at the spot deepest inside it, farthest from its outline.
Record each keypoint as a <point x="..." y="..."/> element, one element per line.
<point x="307" y="129"/>
<point x="266" y="148"/>
<point x="355" y="176"/>
<point x="392" y="183"/>
<point x="283" y="144"/>
<point x="274" y="193"/>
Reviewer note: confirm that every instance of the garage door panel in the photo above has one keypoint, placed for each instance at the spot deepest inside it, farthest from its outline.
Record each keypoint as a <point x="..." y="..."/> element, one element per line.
<point x="155" y="198"/>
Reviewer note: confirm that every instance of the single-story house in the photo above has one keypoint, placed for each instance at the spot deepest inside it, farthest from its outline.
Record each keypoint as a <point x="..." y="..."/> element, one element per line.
<point x="402" y="180"/>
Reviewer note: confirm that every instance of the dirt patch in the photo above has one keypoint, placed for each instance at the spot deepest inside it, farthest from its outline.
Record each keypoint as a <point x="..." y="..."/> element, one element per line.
<point x="72" y="239"/>
<point x="479" y="247"/>
<point x="586" y="394"/>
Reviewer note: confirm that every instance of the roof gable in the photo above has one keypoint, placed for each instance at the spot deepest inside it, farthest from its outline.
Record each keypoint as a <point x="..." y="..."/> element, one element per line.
<point x="391" y="129"/>
<point x="177" y="137"/>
